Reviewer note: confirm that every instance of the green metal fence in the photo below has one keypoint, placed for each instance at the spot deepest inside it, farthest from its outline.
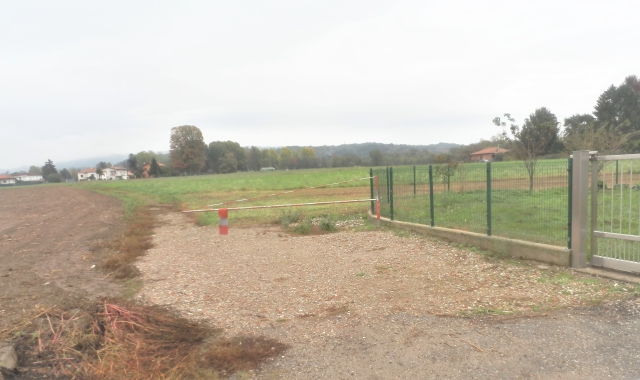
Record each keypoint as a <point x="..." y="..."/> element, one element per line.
<point x="499" y="198"/>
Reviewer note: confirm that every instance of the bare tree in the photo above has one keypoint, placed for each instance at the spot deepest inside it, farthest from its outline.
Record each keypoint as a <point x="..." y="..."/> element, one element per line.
<point x="533" y="139"/>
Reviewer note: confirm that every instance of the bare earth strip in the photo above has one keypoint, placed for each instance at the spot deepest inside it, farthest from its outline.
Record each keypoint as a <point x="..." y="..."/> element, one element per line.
<point x="373" y="305"/>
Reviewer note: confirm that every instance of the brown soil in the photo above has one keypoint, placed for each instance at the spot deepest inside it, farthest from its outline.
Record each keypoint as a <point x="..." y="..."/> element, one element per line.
<point x="46" y="240"/>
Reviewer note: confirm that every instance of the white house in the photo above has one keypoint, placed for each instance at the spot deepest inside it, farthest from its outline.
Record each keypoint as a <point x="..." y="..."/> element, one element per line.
<point x="87" y="174"/>
<point x="7" y="180"/>
<point x="114" y="172"/>
<point x="117" y="172"/>
<point x="28" y="177"/>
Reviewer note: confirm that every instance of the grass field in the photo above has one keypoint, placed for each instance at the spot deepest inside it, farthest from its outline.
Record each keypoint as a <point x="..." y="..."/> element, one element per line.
<point x="201" y="191"/>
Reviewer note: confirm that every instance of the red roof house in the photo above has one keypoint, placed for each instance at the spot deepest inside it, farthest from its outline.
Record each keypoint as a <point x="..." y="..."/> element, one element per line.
<point x="487" y="154"/>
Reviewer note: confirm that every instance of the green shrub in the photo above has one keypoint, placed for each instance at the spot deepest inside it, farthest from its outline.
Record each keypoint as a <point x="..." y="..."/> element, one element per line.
<point x="304" y="227"/>
<point x="54" y="177"/>
<point x="289" y="217"/>
<point x="327" y="223"/>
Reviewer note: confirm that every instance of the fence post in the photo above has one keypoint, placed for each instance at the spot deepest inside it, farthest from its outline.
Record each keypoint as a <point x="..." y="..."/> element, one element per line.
<point x="579" y="202"/>
<point x="414" y="181"/>
<point x="488" y="198"/>
<point x="431" y="195"/>
<point x="388" y="194"/>
<point x="371" y="185"/>
<point x="391" y="191"/>
<point x="449" y="177"/>
<point x="594" y="202"/>
<point x="570" y="180"/>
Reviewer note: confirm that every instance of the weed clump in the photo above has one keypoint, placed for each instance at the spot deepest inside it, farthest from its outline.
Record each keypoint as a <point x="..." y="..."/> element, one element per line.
<point x="289" y="217"/>
<point x="134" y="241"/>
<point x="304" y="227"/>
<point x="115" y="339"/>
<point x="327" y="223"/>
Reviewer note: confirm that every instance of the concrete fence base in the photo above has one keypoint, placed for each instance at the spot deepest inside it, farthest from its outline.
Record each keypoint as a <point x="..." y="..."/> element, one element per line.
<point x="514" y="248"/>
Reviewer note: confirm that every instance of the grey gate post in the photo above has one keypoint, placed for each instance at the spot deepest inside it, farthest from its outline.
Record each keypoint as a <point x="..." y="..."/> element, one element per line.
<point x="579" y="208"/>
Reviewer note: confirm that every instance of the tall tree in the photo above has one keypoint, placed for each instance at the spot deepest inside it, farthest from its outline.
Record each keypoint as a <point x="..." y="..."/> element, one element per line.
<point x="228" y="163"/>
<point x="103" y="165"/>
<point x="65" y="173"/>
<point x="154" y="168"/>
<point x="285" y="158"/>
<point x="376" y="157"/>
<point x="308" y="158"/>
<point x="533" y="139"/>
<point x="254" y="158"/>
<point x="132" y="162"/>
<point x="35" y="170"/>
<point x="48" y="168"/>
<point x="187" y="149"/>
<point x="217" y="150"/>
<point x="620" y="107"/>
<point x="268" y="158"/>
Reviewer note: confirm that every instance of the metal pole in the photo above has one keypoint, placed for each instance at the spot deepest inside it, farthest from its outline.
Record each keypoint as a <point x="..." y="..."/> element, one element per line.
<point x="488" y="198"/>
<point x="449" y="177"/>
<point x="391" y="191"/>
<point x="579" y="210"/>
<point x="594" y="204"/>
<point x="431" y="195"/>
<point x="570" y="180"/>
<point x="371" y="185"/>
<point x="377" y="201"/>
<point x="388" y="189"/>
<point x="414" y="181"/>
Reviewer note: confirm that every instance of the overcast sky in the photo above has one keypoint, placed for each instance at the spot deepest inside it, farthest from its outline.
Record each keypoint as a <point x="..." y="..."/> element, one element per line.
<point x="82" y="79"/>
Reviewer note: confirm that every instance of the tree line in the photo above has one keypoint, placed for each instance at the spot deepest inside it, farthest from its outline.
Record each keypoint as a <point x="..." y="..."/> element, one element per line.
<point x="189" y="154"/>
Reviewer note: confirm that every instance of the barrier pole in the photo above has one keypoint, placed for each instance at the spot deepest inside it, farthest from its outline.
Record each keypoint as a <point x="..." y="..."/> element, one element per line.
<point x="223" y="221"/>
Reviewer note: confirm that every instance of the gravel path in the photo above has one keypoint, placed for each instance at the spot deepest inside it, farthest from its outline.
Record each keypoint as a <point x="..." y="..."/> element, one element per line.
<point x="373" y="305"/>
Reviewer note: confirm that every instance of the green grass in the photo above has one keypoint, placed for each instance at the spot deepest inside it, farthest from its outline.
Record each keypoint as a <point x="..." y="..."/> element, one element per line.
<point x="201" y="191"/>
<point x="539" y="217"/>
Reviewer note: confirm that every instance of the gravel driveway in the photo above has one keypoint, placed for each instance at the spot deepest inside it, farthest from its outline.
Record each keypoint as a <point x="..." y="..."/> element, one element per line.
<point x="375" y="305"/>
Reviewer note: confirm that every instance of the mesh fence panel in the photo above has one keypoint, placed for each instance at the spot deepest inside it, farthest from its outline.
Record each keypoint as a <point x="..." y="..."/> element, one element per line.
<point x="523" y="206"/>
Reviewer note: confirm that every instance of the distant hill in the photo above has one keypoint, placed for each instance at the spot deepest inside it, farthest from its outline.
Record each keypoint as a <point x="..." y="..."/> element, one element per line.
<point x="90" y="162"/>
<point x="362" y="150"/>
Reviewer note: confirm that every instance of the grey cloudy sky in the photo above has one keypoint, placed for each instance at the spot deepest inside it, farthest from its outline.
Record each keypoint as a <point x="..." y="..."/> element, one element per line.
<point x="84" y="78"/>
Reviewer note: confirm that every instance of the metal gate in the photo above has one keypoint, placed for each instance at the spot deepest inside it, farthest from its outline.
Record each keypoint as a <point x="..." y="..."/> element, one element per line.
<point x="615" y="211"/>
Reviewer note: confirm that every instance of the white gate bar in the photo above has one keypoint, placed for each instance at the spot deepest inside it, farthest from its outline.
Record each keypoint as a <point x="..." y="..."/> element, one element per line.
<point x="612" y="235"/>
<point x="615" y="157"/>
<point x="621" y="265"/>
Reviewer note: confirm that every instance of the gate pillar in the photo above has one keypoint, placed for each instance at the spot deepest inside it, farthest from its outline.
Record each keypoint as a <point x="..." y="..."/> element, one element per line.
<point x="579" y="208"/>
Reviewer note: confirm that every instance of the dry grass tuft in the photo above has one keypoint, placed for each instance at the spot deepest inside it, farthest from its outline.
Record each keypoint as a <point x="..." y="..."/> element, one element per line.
<point x="134" y="241"/>
<point x="114" y="339"/>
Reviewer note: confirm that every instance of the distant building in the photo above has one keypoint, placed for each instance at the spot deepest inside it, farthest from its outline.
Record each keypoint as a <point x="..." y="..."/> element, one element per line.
<point x="87" y="174"/>
<point x="267" y="169"/>
<point x="487" y="154"/>
<point x="113" y="172"/>
<point x="28" y="177"/>
<point x="7" y="180"/>
<point x="147" y="167"/>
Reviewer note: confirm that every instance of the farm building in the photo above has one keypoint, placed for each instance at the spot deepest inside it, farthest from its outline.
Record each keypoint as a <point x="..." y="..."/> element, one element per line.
<point x="28" y="177"/>
<point x="113" y="172"/>
<point x="487" y="154"/>
<point x="7" y="180"/>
